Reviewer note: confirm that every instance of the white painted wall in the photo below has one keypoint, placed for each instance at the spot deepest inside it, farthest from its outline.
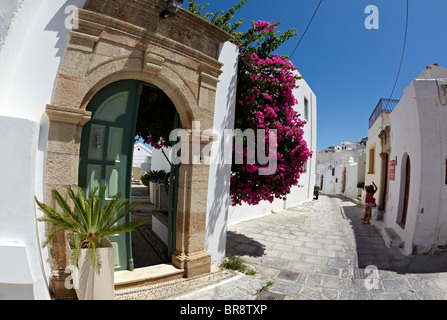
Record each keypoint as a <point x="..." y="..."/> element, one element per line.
<point x="8" y="11"/>
<point x="142" y="157"/>
<point x="29" y="62"/>
<point x="159" y="161"/>
<point x="219" y="176"/>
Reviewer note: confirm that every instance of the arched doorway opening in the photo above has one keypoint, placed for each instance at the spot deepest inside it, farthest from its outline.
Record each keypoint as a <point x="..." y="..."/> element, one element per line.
<point x="129" y="40"/>
<point x="106" y="154"/>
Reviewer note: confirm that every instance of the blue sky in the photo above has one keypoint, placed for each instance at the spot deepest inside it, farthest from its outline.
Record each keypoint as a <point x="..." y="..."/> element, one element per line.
<point x="349" y="67"/>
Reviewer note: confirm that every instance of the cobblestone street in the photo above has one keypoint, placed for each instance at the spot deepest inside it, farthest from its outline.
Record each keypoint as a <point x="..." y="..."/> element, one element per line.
<point x="320" y="250"/>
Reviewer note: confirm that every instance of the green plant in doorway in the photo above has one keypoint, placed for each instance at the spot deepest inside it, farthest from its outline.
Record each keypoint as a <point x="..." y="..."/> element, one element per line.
<point x="92" y="221"/>
<point x="153" y="175"/>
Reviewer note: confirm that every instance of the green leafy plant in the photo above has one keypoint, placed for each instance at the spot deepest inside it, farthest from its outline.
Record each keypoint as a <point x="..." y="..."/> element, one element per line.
<point x="234" y="262"/>
<point x="266" y="286"/>
<point x="153" y="175"/>
<point x="92" y="221"/>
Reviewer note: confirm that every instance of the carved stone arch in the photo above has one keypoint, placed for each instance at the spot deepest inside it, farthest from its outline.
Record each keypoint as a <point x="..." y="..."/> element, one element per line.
<point x="181" y="96"/>
<point x="118" y="40"/>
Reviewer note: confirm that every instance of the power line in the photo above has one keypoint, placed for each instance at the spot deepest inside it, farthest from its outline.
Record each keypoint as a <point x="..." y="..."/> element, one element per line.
<point x="310" y="22"/>
<point x="403" y="53"/>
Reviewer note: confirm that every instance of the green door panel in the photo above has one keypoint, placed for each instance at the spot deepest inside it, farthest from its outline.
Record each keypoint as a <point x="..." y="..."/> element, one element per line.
<point x="106" y="151"/>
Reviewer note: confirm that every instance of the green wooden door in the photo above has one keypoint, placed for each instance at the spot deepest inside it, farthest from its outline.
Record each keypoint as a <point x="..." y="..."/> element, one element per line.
<point x="107" y="151"/>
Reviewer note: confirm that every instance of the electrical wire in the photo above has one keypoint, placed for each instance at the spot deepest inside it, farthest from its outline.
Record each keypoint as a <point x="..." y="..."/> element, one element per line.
<point x="403" y="53"/>
<point x="310" y="22"/>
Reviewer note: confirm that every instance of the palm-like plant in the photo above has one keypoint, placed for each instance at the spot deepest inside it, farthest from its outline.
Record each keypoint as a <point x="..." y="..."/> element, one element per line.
<point x="91" y="222"/>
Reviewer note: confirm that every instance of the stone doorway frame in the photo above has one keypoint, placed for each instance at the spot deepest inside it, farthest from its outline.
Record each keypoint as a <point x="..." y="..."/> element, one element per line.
<point x="119" y="40"/>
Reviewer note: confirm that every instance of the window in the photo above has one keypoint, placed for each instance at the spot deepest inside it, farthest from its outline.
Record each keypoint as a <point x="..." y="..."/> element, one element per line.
<point x="333" y="171"/>
<point x="372" y="157"/>
<point x="306" y="109"/>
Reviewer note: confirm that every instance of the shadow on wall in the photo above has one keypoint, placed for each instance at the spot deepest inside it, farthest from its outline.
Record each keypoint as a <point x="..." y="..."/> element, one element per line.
<point x="59" y="23"/>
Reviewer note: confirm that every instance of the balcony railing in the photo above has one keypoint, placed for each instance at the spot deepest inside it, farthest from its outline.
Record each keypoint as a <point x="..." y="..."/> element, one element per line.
<point x="384" y="105"/>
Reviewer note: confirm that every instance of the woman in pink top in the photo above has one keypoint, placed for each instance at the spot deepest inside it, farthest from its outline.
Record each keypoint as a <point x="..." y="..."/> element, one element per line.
<point x="369" y="202"/>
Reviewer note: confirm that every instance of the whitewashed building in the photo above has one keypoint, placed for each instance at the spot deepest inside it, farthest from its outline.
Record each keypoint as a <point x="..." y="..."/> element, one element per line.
<point x="340" y="169"/>
<point x="416" y="209"/>
<point x="142" y="157"/>
<point x="50" y="73"/>
<point x="378" y="150"/>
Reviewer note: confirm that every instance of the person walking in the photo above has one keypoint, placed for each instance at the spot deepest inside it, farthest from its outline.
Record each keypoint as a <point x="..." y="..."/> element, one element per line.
<point x="369" y="202"/>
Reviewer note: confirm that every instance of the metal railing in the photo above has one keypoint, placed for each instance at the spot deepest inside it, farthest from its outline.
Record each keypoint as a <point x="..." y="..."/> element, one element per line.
<point x="384" y="105"/>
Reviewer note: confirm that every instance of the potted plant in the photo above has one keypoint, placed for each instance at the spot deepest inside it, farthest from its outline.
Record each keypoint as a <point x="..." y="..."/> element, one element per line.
<point x="150" y="179"/>
<point x="90" y="225"/>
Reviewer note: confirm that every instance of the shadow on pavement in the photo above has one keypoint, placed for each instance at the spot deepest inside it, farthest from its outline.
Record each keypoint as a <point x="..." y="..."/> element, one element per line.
<point x="239" y="244"/>
<point x="372" y="250"/>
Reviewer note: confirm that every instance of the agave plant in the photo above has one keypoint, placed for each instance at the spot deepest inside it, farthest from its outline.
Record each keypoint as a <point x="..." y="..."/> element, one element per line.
<point x="92" y="221"/>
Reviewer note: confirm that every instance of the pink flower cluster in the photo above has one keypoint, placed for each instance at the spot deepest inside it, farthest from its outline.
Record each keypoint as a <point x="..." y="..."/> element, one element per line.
<point x="266" y="101"/>
<point x="157" y="145"/>
<point x="264" y="26"/>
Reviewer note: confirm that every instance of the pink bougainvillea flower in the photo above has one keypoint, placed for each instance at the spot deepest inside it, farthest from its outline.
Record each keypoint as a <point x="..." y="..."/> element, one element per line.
<point x="265" y="26"/>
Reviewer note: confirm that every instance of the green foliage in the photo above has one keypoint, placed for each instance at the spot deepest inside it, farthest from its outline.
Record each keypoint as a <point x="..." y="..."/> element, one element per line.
<point x="234" y="262"/>
<point x="92" y="221"/>
<point x="266" y="286"/>
<point x="262" y="43"/>
<point x="220" y="19"/>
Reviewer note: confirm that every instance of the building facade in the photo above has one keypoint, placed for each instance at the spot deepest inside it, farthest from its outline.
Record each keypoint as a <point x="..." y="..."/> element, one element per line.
<point x="417" y="200"/>
<point x="340" y="169"/>
<point x="55" y="60"/>
<point x="378" y="150"/>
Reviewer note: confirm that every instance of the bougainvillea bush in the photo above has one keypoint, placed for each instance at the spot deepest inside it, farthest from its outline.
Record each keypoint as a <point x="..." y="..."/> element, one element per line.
<point x="264" y="101"/>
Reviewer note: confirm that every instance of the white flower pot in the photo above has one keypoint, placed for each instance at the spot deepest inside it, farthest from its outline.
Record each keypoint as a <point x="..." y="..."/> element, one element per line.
<point x="152" y="192"/>
<point x="88" y="284"/>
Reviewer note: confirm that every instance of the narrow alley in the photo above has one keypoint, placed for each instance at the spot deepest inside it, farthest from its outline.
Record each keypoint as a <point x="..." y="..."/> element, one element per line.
<point x="321" y="251"/>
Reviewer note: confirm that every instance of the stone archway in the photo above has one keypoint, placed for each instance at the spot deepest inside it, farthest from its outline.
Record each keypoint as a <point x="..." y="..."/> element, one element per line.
<point x="117" y="40"/>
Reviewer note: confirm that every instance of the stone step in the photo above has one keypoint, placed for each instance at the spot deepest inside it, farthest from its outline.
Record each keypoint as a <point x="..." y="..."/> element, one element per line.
<point x="391" y="238"/>
<point x="147" y="276"/>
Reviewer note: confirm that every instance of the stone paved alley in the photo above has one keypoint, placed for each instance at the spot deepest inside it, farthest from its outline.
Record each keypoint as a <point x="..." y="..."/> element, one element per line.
<point x="319" y="250"/>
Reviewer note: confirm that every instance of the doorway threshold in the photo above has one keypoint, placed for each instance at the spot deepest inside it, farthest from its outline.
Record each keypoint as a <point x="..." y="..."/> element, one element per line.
<point x="147" y="276"/>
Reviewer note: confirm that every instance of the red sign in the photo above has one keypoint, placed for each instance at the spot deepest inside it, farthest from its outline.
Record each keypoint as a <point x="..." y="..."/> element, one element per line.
<point x="392" y="173"/>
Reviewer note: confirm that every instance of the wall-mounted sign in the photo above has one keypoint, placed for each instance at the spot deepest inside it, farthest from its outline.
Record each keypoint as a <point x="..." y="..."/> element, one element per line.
<point x="392" y="173"/>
